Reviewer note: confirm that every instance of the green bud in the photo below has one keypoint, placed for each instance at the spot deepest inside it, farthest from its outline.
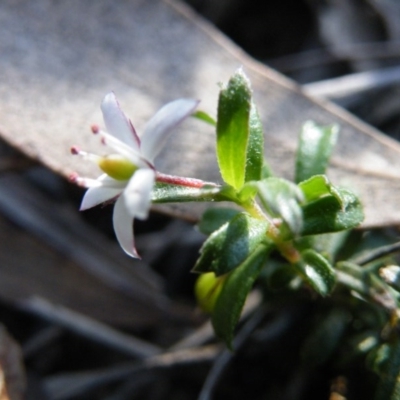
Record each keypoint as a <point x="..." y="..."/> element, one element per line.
<point x="207" y="290"/>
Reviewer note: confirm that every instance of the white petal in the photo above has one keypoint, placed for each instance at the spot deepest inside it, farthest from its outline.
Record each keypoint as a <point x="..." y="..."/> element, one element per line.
<point x="157" y="129"/>
<point x="123" y="228"/>
<point x="121" y="148"/>
<point x="108" y="189"/>
<point x="137" y="195"/>
<point x="117" y="123"/>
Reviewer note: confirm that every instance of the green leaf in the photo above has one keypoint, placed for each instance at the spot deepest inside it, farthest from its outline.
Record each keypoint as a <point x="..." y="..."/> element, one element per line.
<point x="315" y="187"/>
<point x="317" y="271"/>
<point x="330" y="244"/>
<point x="315" y="147"/>
<point x="266" y="170"/>
<point x="233" y="129"/>
<point x="255" y="148"/>
<point x="232" y="297"/>
<point x="281" y="198"/>
<point x="214" y="218"/>
<point x="248" y="191"/>
<point x="203" y="116"/>
<point x="330" y="214"/>
<point x="229" y="246"/>
<point x="389" y="370"/>
<point x="167" y="193"/>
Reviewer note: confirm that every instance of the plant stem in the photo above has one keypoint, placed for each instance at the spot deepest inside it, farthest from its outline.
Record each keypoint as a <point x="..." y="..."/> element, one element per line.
<point x="183" y="181"/>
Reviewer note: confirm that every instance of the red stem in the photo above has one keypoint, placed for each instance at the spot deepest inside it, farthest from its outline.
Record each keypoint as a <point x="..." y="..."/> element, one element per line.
<point x="183" y="181"/>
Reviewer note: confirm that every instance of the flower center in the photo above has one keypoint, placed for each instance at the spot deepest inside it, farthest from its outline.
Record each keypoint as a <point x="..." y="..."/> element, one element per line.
<point x="117" y="167"/>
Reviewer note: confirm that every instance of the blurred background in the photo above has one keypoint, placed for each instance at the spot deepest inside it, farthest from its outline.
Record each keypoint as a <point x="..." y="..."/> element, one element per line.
<point x="82" y="321"/>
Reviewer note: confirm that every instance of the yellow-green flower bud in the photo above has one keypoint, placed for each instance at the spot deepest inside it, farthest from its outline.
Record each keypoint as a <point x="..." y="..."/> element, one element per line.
<point x="117" y="167"/>
<point x="207" y="290"/>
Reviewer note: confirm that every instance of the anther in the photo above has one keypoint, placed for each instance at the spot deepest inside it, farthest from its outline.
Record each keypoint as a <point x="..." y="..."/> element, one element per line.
<point x="75" y="150"/>
<point x="95" y="128"/>
<point x="73" y="177"/>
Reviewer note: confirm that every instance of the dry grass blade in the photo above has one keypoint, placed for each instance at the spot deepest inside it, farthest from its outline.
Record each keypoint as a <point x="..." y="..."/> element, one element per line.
<point x="68" y="386"/>
<point x="90" y="328"/>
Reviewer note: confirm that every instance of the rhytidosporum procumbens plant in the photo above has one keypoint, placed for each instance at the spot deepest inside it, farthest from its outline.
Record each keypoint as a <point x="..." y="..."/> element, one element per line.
<point x="286" y="235"/>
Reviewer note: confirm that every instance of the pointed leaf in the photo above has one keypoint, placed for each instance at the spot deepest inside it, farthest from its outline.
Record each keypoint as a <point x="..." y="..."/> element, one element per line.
<point x="328" y="214"/>
<point x="315" y="147"/>
<point x="233" y="129"/>
<point x="203" y="116"/>
<point x="230" y="245"/>
<point x="315" y="187"/>
<point x="238" y="284"/>
<point x="317" y="271"/>
<point x="255" y="148"/>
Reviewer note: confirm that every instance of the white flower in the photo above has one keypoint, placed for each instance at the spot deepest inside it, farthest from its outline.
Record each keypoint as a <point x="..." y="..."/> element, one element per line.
<point x="129" y="173"/>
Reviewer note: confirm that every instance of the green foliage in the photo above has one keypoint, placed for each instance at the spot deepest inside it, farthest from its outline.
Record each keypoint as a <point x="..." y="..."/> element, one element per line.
<point x="255" y="147"/>
<point x="331" y="213"/>
<point x="238" y="284"/>
<point x="295" y="239"/>
<point x="173" y="193"/>
<point x="214" y="218"/>
<point x="317" y="271"/>
<point x="289" y="219"/>
<point x="233" y="128"/>
<point x="315" y="147"/>
<point x="231" y="244"/>
<point x="282" y="198"/>
<point x="387" y="365"/>
<point x="203" y="116"/>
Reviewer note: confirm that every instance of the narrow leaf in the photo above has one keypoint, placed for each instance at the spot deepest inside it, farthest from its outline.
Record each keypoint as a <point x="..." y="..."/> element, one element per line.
<point x="230" y="245"/>
<point x="329" y="214"/>
<point x="255" y="148"/>
<point x="203" y="116"/>
<point x="238" y="284"/>
<point x="167" y="193"/>
<point x="317" y="271"/>
<point x="315" y="147"/>
<point x="233" y="129"/>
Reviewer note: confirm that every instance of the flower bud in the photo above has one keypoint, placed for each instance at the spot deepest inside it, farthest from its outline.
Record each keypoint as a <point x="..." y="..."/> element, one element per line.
<point x="207" y="290"/>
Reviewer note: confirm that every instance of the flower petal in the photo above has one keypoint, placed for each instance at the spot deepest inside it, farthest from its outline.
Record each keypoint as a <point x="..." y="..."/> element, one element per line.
<point x="123" y="228"/>
<point x="137" y="195"/>
<point x="123" y="149"/>
<point x="157" y="129"/>
<point x="117" y="123"/>
<point x="108" y="189"/>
